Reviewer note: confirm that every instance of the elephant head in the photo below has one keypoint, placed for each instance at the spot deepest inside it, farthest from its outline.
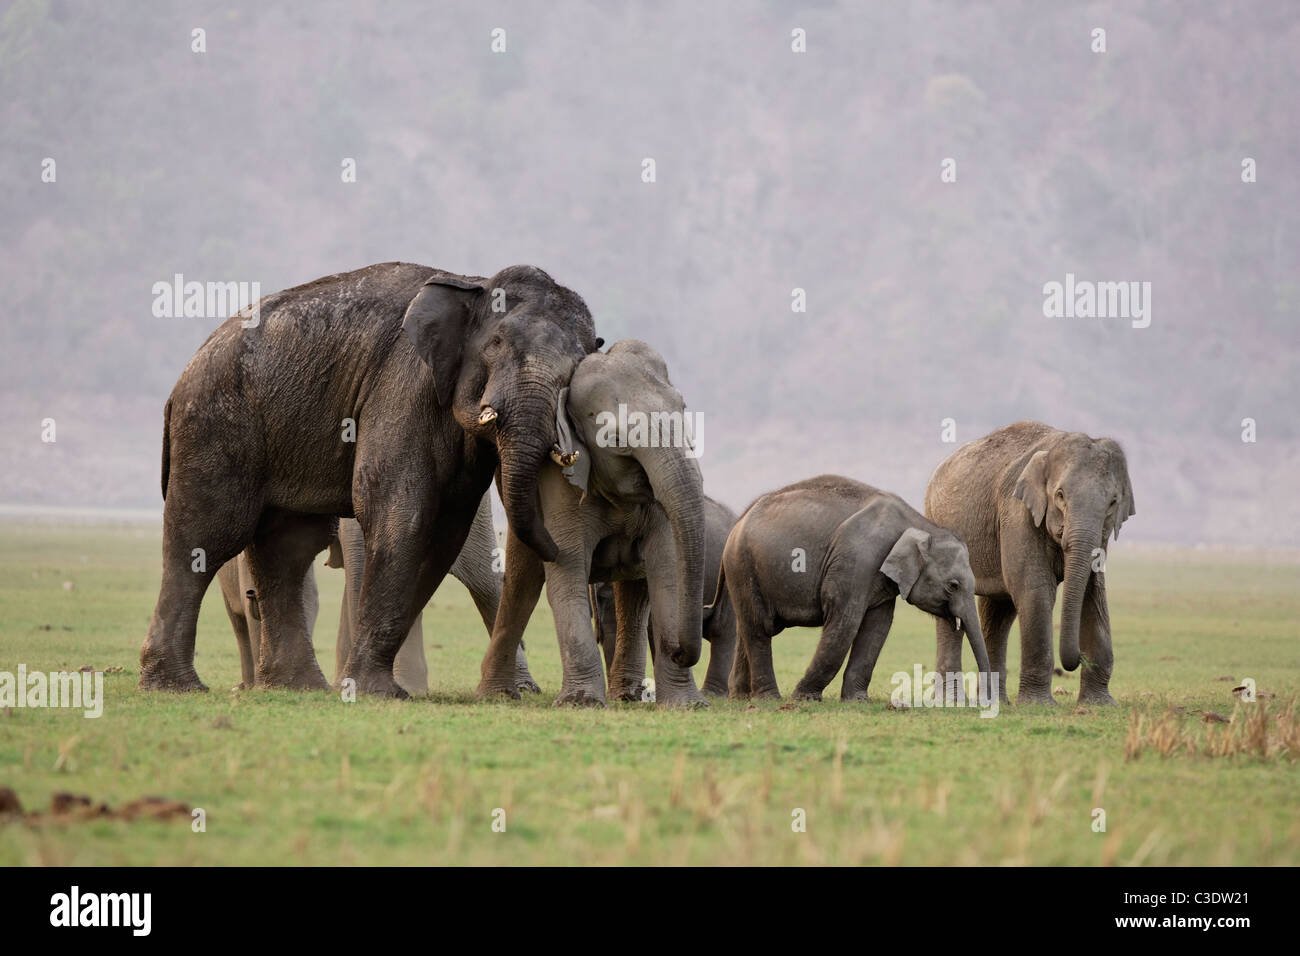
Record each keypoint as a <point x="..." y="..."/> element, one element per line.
<point x="501" y="349"/>
<point x="643" y="451"/>
<point x="932" y="571"/>
<point x="1077" y="489"/>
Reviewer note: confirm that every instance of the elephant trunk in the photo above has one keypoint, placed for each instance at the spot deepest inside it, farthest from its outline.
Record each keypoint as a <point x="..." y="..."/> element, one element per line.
<point x="679" y="488"/>
<point x="1079" y="547"/>
<point x="523" y="446"/>
<point x="970" y="623"/>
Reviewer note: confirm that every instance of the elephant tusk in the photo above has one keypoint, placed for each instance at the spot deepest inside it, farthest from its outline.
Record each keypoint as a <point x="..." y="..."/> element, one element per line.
<point x="958" y="620"/>
<point x="489" y="414"/>
<point x="562" y="458"/>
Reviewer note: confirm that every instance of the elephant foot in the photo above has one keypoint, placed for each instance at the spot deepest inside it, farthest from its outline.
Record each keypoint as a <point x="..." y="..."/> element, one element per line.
<point x="155" y="677"/>
<point x="855" y="694"/>
<point x="714" y="688"/>
<point x="523" y="677"/>
<point x="803" y="693"/>
<point x="1040" y="697"/>
<point x="378" y="683"/>
<point x="581" y="697"/>
<point x="1099" y="696"/>
<point x="765" y="693"/>
<point x="497" y="688"/>
<point x="625" y="688"/>
<point x="687" y="698"/>
<point x="297" y="678"/>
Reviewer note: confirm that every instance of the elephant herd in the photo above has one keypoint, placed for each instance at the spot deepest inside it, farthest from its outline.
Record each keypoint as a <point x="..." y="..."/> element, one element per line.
<point x="368" y="413"/>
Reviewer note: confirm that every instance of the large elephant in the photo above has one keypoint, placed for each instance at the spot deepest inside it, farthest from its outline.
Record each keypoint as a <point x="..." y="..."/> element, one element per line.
<point x="834" y="552"/>
<point x="627" y="512"/>
<point x="391" y="394"/>
<point x="1037" y="507"/>
<point x="719" y="628"/>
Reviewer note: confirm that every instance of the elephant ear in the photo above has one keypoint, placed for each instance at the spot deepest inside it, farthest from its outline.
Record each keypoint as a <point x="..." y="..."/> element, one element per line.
<point x="335" y="560"/>
<point x="906" y="560"/>
<point x="437" y="322"/>
<point x="579" y="472"/>
<point x="1124" y="507"/>
<point x="1032" y="486"/>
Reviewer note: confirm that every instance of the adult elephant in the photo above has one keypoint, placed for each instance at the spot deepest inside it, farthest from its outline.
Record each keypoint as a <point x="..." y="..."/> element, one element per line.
<point x="1037" y="506"/>
<point x="719" y="622"/>
<point x="391" y="394"/>
<point x="628" y="512"/>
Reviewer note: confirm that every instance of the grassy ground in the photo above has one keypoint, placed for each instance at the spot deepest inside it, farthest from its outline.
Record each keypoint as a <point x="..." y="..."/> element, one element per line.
<point x="305" y="778"/>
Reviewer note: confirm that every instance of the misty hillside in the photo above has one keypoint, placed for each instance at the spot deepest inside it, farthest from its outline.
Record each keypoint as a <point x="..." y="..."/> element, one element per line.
<point x="774" y="171"/>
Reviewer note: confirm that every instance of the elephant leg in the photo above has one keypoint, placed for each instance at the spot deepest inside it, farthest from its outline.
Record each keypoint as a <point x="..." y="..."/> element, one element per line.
<point x="280" y="562"/>
<point x="404" y="564"/>
<point x="738" y="683"/>
<point x="252" y="618"/>
<point x="204" y="526"/>
<point x="632" y="615"/>
<point x="674" y="684"/>
<point x="838" y="631"/>
<point x="410" y="669"/>
<point x="721" y="635"/>
<point x="525" y="575"/>
<point x="752" y="674"/>
<point x="232" y="598"/>
<point x="1034" y="607"/>
<point x="1095" y="645"/>
<point x="476" y="568"/>
<point x="343" y="644"/>
<point x="580" y="658"/>
<point x="866" y="649"/>
<point x="996" y="617"/>
<point x="947" y="662"/>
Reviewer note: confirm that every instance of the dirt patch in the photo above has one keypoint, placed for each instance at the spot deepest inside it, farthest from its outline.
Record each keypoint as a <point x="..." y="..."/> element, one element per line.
<point x="72" y="807"/>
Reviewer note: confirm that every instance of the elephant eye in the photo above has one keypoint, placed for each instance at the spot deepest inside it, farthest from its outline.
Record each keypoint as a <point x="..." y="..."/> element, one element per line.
<point x="952" y="586"/>
<point x="1060" y="495"/>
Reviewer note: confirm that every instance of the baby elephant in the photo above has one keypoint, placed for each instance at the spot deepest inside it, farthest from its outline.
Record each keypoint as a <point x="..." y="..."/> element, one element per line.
<point x="834" y="552"/>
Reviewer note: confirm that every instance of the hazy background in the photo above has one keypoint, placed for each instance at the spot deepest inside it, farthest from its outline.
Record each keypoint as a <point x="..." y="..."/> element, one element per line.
<point x="775" y="170"/>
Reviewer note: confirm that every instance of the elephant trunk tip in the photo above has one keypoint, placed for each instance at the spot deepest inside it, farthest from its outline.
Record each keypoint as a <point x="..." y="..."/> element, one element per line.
<point x="1069" y="661"/>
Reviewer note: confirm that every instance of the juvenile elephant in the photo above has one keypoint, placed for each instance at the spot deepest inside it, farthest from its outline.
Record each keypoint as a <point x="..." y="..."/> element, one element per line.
<point x="719" y="629"/>
<point x="392" y="394"/>
<point x="472" y="567"/>
<point x="1037" y="506"/>
<point x="834" y="552"/>
<point x="621" y="510"/>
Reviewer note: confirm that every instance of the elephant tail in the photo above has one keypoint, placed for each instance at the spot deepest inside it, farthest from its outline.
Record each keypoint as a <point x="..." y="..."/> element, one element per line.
<point x="721" y="600"/>
<point x="167" y="446"/>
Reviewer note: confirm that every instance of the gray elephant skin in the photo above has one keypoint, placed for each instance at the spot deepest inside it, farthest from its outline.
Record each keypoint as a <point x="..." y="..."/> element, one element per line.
<point x="392" y="395"/>
<point x="473" y="568"/>
<point x="719" y="628"/>
<point x="1037" y="507"/>
<point x="626" y="514"/>
<point x="836" y="553"/>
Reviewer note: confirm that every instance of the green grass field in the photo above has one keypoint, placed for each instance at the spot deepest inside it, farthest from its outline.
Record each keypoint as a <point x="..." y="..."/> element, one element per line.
<point x="289" y="778"/>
